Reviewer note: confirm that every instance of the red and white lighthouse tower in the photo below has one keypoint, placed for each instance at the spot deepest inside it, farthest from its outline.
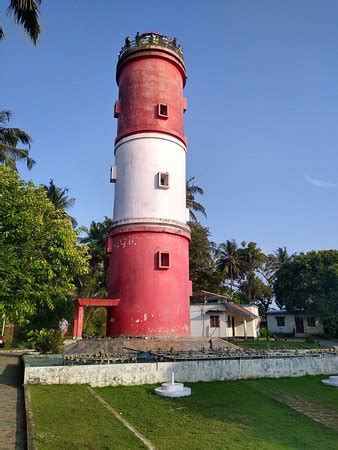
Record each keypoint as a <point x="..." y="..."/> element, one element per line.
<point x="148" y="245"/>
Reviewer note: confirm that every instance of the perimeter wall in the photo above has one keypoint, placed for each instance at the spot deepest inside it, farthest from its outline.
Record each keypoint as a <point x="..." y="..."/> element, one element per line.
<point x="185" y="371"/>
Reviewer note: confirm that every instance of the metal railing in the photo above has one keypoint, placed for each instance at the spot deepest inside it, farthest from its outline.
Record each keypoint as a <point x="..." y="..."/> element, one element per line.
<point x="147" y="40"/>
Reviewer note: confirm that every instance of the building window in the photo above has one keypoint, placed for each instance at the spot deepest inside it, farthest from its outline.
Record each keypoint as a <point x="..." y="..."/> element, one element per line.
<point x="163" y="180"/>
<point x="214" y="321"/>
<point x="162" y="110"/>
<point x="163" y="260"/>
<point x="280" y="321"/>
<point x="311" y="322"/>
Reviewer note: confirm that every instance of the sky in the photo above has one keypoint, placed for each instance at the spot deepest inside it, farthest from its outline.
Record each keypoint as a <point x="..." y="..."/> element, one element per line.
<point x="262" y="108"/>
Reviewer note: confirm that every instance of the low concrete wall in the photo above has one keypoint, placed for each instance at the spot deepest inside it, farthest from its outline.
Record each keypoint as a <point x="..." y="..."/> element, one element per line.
<point x="185" y="371"/>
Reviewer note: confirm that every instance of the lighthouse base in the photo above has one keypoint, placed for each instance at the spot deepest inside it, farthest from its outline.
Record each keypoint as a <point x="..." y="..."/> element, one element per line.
<point x="149" y="273"/>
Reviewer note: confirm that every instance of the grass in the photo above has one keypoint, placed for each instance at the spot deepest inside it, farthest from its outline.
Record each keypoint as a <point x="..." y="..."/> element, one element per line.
<point x="69" y="417"/>
<point x="278" y="344"/>
<point x="221" y="415"/>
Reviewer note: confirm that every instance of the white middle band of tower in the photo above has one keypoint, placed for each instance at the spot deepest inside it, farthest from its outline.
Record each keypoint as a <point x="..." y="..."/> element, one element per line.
<point x="139" y="159"/>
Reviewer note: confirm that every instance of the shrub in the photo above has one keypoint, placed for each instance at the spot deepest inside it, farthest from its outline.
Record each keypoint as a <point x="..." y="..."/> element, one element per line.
<point x="309" y="339"/>
<point x="265" y="333"/>
<point x="47" y="341"/>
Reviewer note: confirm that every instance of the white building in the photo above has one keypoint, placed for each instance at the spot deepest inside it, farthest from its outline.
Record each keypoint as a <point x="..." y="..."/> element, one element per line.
<point x="217" y="317"/>
<point x="280" y="321"/>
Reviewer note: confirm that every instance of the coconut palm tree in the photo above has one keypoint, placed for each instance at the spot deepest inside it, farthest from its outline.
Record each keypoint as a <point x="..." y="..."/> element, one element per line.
<point x="9" y="140"/>
<point x="281" y="256"/>
<point x="191" y="190"/>
<point x="25" y="13"/>
<point x="228" y="261"/>
<point x="96" y="239"/>
<point x="58" y="196"/>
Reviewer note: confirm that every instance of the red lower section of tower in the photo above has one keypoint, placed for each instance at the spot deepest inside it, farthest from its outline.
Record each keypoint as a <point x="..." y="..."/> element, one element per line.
<point x="154" y="300"/>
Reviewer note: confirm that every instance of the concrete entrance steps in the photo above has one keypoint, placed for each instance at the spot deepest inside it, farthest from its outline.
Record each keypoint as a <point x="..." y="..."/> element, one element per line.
<point x="146" y="344"/>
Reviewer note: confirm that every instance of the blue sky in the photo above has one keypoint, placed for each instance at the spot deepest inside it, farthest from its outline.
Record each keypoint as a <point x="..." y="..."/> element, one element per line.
<point x="262" y="117"/>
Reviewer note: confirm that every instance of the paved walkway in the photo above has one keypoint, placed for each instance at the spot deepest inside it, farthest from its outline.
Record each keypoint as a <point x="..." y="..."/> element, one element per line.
<point x="319" y="413"/>
<point x="329" y="343"/>
<point x="12" y="417"/>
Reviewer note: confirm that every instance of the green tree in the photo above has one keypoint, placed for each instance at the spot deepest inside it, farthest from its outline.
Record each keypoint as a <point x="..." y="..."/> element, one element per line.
<point x="192" y="204"/>
<point x="309" y="282"/>
<point x="95" y="283"/>
<point x="95" y="238"/>
<point x="25" y="13"/>
<point x="251" y="259"/>
<point x="202" y="266"/>
<point x="58" y="196"/>
<point x="10" y="138"/>
<point x="40" y="254"/>
<point x="228" y="261"/>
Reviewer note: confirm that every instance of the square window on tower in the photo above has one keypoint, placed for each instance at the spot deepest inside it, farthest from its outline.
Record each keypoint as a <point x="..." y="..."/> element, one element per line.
<point x="163" y="260"/>
<point x="162" y="110"/>
<point x="163" y="180"/>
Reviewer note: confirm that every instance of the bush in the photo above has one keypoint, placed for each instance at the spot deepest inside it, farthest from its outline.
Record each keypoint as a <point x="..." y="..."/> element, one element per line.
<point x="331" y="326"/>
<point x="309" y="339"/>
<point x="265" y="333"/>
<point x="47" y="341"/>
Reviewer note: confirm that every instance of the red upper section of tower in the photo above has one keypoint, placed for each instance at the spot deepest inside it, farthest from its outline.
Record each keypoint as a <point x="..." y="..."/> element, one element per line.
<point x="151" y="77"/>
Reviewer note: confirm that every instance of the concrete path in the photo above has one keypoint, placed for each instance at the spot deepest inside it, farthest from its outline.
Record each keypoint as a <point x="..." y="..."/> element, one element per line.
<point x="12" y="409"/>
<point x="329" y="343"/>
<point x="319" y="413"/>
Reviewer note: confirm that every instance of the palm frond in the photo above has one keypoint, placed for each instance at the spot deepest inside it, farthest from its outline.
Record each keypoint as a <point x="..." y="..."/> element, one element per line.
<point x="58" y="196"/>
<point x="14" y="154"/>
<point x="14" y="135"/>
<point x="26" y="13"/>
<point x="2" y="34"/>
<point x="5" y="116"/>
<point x="194" y="206"/>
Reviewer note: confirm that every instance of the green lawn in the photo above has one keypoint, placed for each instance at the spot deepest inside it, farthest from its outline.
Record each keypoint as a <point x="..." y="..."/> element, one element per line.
<point x="69" y="417"/>
<point x="222" y="415"/>
<point x="279" y="344"/>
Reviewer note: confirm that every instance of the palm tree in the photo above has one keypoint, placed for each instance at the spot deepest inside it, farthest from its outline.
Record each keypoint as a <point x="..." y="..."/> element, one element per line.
<point x="9" y="139"/>
<point x="228" y="261"/>
<point x="251" y="260"/>
<point x="25" y="13"/>
<point x="281" y="256"/>
<point x="58" y="196"/>
<point x="191" y="190"/>
<point x="96" y="239"/>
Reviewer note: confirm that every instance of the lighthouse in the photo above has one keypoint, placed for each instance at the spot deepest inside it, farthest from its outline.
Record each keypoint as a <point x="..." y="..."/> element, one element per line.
<point x="148" y="244"/>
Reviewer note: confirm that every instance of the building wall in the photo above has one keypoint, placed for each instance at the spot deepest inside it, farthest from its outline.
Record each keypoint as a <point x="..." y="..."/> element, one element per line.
<point x="185" y="371"/>
<point x="200" y="321"/>
<point x="290" y="325"/>
<point x="154" y="301"/>
<point x="145" y="82"/>
<point x="139" y="159"/>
